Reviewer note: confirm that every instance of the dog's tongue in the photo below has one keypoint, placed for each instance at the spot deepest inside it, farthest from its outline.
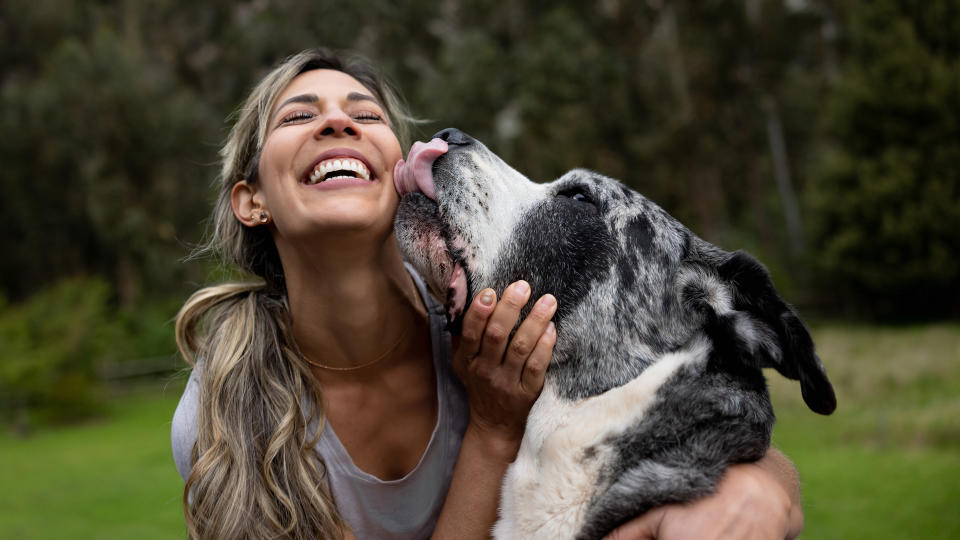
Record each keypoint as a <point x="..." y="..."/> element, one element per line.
<point x="457" y="293"/>
<point x="416" y="173"/>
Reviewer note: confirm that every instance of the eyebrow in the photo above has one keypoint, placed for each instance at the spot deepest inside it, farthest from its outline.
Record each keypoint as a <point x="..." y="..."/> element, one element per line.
<point x="313" y="98"/>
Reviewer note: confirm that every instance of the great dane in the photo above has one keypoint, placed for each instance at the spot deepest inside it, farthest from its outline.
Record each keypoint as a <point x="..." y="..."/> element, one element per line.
<point x="655" y="385"/>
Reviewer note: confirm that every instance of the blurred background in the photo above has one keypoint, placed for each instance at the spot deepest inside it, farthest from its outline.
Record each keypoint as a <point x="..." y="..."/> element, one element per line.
<point x="821" y="135"/>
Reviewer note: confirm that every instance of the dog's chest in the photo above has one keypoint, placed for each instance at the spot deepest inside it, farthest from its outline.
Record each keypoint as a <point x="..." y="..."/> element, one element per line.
<point x="566" y="446"/>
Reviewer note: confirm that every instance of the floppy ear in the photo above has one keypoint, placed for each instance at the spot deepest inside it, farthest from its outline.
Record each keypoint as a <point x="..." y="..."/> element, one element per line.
<point x="749" y="322"/>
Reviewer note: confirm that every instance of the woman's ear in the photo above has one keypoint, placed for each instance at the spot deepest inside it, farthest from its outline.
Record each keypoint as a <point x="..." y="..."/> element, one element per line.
<point x="248" y="204"/>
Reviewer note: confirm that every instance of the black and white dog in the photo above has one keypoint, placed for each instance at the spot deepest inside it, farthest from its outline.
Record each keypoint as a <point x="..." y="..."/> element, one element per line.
<point x="655" y="385"/>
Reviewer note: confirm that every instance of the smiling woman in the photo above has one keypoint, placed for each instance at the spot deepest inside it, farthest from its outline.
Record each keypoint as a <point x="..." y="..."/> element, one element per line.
<point x="322" y="403"/>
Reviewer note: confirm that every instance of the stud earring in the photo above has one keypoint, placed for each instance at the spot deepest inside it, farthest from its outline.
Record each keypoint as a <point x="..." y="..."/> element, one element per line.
<point x="263" y="216"/>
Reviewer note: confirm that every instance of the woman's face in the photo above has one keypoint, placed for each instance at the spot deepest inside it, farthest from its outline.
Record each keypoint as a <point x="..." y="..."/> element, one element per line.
<point x="327" y="161"/>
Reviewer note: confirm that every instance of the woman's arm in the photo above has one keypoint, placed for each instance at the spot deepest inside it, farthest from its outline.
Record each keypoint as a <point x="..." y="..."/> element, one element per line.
<point x="758" y="500"/>
<point x="502" y="383"/>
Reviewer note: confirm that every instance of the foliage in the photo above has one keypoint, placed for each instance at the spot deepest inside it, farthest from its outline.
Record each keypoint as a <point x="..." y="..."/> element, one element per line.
<point x="57" y="346"/>
<point x="886" y="193"/>
<point x="111" y="113"/>
<point x="101" y="151"/>
<point x="50" y="345"/>
<point x="668" y="96"/>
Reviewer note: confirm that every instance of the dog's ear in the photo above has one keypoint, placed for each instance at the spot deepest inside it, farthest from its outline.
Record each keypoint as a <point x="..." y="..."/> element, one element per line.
<point x="749" y="322"/>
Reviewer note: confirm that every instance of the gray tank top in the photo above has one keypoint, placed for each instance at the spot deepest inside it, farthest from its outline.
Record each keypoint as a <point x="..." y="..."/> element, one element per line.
<point x="406" y="508"/>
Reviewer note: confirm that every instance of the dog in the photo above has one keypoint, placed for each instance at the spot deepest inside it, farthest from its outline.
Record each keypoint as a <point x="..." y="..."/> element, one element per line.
<point x="655" y="386"/>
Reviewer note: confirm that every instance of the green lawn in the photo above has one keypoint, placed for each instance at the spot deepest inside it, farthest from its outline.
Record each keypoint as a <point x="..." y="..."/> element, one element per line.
<point x="885" y="465"/>
<point x="113" y="479"/>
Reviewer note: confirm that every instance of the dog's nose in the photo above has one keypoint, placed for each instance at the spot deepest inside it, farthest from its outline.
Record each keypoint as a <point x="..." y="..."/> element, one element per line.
<point x="453" y="136"/>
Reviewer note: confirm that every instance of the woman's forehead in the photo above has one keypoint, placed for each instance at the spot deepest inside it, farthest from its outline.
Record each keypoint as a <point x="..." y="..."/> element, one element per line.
<point x="325" y="84"/>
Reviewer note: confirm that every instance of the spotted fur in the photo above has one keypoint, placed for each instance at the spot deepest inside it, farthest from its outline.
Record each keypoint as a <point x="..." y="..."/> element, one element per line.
<point x="655" y="385"/>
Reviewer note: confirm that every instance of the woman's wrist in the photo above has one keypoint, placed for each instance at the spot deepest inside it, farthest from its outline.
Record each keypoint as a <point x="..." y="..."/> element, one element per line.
<point x="497" y="442"/>
<point x="781" y="470"/>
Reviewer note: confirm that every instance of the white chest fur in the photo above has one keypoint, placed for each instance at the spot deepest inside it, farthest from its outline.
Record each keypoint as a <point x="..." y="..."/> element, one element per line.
<point x="547" y="489"/>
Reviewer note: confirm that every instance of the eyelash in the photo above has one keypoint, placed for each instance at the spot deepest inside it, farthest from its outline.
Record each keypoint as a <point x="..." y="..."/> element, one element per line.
<point x="367" y="116"/>
<point x="363" y="117"/>
<point x="295" y="116"/>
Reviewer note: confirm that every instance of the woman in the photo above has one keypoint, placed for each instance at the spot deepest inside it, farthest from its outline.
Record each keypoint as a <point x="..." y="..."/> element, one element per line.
<point x="321" y="403"/>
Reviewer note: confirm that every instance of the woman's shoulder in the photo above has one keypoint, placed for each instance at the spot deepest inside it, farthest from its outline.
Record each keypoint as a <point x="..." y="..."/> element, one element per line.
<point x="183" y="431"/>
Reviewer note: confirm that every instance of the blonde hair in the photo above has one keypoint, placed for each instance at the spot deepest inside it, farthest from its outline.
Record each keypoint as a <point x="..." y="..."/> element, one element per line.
<point x="255" y="472"/>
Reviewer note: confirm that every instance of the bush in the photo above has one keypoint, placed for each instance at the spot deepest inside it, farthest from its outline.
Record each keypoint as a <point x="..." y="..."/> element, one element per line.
<point x="50" y="346"/>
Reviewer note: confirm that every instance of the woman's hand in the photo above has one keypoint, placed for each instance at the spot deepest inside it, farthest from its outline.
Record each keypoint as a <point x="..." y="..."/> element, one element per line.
<point x="504" y="379"/>
<point x="751" y="502"/>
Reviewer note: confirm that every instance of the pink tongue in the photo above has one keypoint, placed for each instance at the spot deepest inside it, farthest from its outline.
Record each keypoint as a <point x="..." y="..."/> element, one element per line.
<point x="416" y="174"/>
<point x="457" y="293"/>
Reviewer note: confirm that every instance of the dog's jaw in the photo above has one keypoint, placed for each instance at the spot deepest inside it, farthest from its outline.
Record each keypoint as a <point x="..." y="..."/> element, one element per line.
<point x="451" y="226"/>
<point x="427" y="243"/>
<point x="415" y="175"/>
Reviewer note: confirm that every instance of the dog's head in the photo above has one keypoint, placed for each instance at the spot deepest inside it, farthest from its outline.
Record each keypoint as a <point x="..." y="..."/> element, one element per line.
<point x="632" y="282"/>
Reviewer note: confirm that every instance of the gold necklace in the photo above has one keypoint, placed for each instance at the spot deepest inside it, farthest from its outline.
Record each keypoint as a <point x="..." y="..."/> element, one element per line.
<point x="368" y="364"/>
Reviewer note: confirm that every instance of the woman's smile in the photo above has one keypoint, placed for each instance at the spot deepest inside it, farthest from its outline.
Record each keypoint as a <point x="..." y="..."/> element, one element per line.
<point x="339" y="167"/>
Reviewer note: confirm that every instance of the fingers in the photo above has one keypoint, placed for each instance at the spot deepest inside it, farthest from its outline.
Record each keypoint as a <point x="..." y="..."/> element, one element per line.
<point x="485" y="344"/>
<point x="504" y="376"/>
<point x="532" y="345"/>
<point x="500" y="324"/>
<point x="535" y="369"/>
<point x="474" y="323"/>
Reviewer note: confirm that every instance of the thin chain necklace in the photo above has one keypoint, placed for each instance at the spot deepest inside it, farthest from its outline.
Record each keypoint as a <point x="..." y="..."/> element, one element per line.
<point x="368" y="364"/>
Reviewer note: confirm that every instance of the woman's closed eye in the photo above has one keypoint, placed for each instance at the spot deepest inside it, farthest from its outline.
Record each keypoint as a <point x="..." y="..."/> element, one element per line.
<point x="296" y="117"/>
<point x="366" y="117"/>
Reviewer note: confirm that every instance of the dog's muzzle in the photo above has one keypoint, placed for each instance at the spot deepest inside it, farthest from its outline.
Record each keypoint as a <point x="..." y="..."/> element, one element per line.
<point x="415" y="175"/>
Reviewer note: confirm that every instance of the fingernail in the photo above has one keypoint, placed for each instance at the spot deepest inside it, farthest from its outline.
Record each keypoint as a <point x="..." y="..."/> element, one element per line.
<point x="522" y="287"/>
<point x="486" y="297"/>
<point x="551" y="328"/>
<point x="547" y="301"/>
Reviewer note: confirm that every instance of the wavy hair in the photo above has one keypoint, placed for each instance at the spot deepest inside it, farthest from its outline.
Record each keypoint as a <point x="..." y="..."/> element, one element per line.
<point x="255" y="472"/>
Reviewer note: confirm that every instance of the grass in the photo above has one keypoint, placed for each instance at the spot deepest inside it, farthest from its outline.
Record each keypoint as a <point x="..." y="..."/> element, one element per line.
<point x="113" y="479"/>
<point x="885" y="465"/>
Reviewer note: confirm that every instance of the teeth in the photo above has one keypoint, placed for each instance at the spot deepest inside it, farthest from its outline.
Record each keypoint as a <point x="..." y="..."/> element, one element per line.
<point x="326" y="167"/>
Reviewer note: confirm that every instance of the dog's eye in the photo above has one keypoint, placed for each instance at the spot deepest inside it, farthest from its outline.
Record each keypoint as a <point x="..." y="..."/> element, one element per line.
<point x="576" y="194"/>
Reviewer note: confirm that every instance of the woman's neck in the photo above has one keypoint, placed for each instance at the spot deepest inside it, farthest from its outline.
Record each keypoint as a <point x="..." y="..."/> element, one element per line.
<point x="352" y="305"/>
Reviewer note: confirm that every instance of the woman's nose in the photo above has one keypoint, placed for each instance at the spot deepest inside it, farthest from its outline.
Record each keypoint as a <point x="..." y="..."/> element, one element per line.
<point x="336" y="123"/>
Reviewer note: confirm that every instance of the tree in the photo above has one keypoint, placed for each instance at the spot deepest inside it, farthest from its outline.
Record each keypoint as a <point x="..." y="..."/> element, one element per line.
<point x="886" y="190"/>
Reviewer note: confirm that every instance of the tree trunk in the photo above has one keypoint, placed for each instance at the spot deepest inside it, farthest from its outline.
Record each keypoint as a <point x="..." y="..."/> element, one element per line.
<point x="781" y="172"/>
